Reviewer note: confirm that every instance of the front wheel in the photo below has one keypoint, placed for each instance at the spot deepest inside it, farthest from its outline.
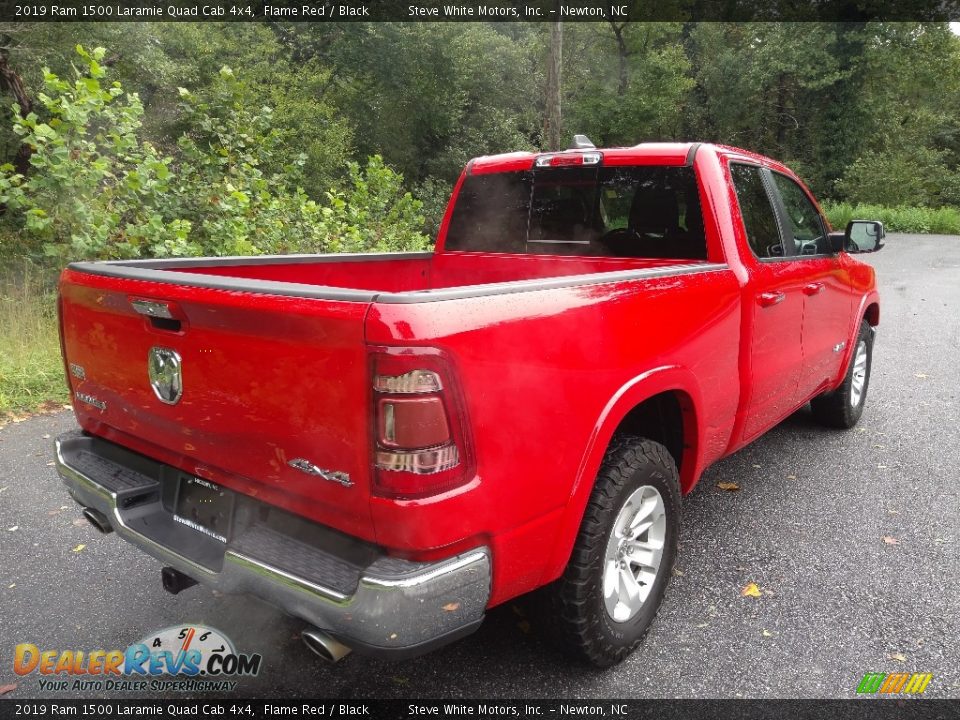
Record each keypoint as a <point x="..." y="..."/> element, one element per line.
<point x="623" y="556"/>
<point x="843" y="407"/>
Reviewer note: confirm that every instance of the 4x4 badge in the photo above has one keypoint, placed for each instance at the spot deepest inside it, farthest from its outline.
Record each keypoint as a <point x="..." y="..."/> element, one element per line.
<point x="165" y="376"/>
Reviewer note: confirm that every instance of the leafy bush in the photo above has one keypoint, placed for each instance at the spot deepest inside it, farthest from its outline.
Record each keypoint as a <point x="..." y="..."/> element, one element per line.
<point x="940" y="221"/>
<point x="93" y="185"/>
<point x="97" y="192"/>
<point x="917" y="177"/>
<point x="373" y="214"/>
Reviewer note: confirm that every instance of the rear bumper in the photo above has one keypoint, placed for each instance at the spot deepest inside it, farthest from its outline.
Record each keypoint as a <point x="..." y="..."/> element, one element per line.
<point x="382" y="605"/>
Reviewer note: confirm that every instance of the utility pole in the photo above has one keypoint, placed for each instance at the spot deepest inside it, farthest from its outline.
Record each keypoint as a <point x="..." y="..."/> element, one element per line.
<point x="553" y="119"/>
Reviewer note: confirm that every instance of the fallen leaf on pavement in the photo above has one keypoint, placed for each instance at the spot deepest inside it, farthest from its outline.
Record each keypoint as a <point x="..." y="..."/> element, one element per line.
<point x="450" y="607"/>
<point x="919" y="375"/>
<point x="79" y="547"/>
<point x="13" y="529"/>
<point x="758" y="466"/>
<point x="767" y="633"/>
<point x="791" y="477"/>
<point x="80" y="522"/>
<point x="46" y="437"/>
<point x="751" y="590"/>
<point x="890" y="540"/>
<point x="5" y="487"/>
<point x="728" y="486"/>
<point x="524" y="626"/>
<point x="703" y="625"/>
<point x="899" y="657"/>
<point x="678" y="572"/>
<point x="11" y="586"/>
<point x="4" y="689"/>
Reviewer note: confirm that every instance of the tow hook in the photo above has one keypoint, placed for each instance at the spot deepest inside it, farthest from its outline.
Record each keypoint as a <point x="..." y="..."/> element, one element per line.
<point x="175" y="581"/>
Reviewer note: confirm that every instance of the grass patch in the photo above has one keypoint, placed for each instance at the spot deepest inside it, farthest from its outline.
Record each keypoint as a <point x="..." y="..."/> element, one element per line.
<point x="938" y="221"/>
<point x="31" y="370"/>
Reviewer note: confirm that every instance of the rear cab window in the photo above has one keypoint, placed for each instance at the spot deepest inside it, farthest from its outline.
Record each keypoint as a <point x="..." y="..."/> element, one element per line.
<point x="632" y="211"/>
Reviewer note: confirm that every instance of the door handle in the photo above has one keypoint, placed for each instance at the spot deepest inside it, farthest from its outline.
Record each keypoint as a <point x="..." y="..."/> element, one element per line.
<point x="769" y="299"/>
<point x="813" y="288"/>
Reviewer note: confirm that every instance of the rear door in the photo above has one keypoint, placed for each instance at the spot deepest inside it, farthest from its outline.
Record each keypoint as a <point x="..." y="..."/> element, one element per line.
<point x="775" y="287"/>
<point x="267" y="384"/>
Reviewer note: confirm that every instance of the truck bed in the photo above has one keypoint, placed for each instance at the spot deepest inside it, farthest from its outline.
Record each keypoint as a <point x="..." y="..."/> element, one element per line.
<point x="275" y="352"/>
<point x="388" y="277"/>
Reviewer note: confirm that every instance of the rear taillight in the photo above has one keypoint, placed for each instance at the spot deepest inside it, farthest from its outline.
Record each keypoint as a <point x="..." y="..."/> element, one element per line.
<point x="419" y="431"/>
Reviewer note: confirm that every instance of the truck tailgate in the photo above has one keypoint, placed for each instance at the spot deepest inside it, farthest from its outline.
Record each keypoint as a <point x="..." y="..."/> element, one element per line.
<point x="266" y="380"/>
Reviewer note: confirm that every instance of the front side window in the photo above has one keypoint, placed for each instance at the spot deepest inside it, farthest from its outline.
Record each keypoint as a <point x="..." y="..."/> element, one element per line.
<point x="803" y="220"/>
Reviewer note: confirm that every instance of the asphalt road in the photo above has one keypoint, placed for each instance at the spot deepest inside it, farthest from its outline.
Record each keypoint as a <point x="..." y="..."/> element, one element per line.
<point x="808" y="526"/>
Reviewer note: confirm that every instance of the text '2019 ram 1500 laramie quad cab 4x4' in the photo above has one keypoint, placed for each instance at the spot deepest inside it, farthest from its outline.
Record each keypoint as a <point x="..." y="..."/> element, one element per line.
<point x="387" y="445"/>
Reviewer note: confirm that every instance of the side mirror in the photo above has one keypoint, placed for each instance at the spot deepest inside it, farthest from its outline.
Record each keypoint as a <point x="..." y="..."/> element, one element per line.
<point x="863" y="236"/>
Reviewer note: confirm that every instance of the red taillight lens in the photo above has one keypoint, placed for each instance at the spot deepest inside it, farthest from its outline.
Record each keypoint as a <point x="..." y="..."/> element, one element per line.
<point x="419" y="433"/>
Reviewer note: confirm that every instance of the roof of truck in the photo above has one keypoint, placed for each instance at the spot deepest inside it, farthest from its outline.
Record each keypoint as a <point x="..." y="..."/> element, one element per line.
<point x="653" y="153"/>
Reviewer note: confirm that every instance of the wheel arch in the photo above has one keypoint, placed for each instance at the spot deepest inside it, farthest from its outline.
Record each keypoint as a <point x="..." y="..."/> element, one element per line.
<point x="661" y="405"/>
<point x="868" y="310"/>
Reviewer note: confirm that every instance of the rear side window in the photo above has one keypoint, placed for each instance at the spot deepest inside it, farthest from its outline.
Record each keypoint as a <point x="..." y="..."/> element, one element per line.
<point x="756" y="209"/>
<point x="616" y="211"/>
<point x="491" y="212"/>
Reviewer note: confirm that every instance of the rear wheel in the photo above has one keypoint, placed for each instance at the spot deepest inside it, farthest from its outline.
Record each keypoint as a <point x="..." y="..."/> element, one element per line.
<point x="843" y="407"/>
<point x="623" y="557"/>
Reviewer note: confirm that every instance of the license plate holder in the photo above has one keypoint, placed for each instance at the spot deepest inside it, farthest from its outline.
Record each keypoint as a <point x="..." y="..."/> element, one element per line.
<point x="205" y="507"/>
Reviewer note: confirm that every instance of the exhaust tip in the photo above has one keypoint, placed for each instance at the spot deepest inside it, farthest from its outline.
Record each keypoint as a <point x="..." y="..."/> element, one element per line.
<point x="98" y="520"/>
<point x="174" y="581"/>
<point x="325" y="646"/>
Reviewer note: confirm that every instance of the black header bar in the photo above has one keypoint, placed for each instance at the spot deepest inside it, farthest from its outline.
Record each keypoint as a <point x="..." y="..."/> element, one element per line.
<point x="615" y="11"/>
<point x="230" y="708"/>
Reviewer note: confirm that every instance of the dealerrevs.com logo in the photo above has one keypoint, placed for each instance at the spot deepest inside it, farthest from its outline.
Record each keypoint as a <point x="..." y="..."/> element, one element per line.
<point x="894" y="683"/>
<point x="187" y="658"/>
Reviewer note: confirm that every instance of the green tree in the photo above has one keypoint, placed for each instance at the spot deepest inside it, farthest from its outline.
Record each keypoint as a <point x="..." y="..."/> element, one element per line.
<point x="625" y="82"/>
<point x="232" y="187"/>
<point x="93" y="185"/>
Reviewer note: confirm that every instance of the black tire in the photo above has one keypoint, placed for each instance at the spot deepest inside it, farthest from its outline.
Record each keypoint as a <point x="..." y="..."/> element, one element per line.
<point x="582" y="623"/>
<point x="837" y="408"/>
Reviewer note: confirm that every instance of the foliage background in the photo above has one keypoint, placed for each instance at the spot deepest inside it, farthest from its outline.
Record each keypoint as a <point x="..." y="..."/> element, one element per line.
<point x="242" y="138"/>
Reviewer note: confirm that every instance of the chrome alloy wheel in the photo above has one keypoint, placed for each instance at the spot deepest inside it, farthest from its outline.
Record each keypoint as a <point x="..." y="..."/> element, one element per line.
<point x="859" y="378"/>
<point x="634" y="552"/>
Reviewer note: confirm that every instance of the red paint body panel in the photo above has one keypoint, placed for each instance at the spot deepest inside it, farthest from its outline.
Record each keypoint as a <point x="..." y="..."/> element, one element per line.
<point x="546" y="372"/>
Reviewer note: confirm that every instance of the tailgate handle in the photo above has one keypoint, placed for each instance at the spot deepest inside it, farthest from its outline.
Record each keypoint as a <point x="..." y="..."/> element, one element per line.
<point x="162" y="315"/>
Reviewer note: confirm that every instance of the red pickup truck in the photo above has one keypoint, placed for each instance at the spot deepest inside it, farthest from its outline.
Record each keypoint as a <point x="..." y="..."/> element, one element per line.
<point x="387" y="445"/>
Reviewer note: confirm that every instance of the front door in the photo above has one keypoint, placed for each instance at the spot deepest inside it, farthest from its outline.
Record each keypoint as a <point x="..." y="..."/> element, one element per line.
<point x="827" y="300"/>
